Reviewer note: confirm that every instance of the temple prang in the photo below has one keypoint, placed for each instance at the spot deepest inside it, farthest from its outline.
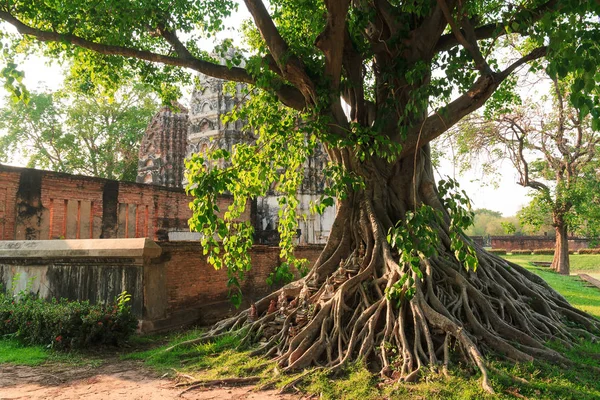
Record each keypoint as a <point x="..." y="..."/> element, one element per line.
<point x="172" y="136"/>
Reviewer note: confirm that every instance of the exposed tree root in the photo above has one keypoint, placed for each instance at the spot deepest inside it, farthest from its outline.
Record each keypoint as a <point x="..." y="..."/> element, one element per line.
<point x="339" y="312"/>
<point x="455" y="314"/>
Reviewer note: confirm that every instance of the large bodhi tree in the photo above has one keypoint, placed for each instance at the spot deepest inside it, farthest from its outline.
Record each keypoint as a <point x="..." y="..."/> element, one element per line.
<point x="414" y="285"/>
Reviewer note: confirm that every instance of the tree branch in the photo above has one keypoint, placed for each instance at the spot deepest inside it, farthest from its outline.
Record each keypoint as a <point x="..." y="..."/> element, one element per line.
<point x="468" y="40"/>
<point x="433" y="126"/>
<point x="329" y="40"/>
<point x="492" y="30"/>
<point x="171" y="38"/>
<point x="205" y="67"/>
<point x="292" y="68"/>
<point x="287" y="94"/>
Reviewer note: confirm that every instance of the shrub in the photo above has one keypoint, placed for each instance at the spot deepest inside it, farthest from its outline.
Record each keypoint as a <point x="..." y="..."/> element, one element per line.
<point x="520" y="252"/>
<point x="544" y="251"/>
<point x="64" y="324"/>
<point x="589" y="251"/>
<point x="501" y="252"/>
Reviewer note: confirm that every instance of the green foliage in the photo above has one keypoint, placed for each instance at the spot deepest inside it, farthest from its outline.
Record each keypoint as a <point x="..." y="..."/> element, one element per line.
<point x="13" y="83"/>
<point x="492" y="223"/>
<point x="416" y="237"/>
<point x="509" y="228"/>
<point x="274" y="164"/>
<point x="339" y="183"/>
<point x="96" y="132"/>
<point x="63" y="324"/>
<point x="458" y="205"/>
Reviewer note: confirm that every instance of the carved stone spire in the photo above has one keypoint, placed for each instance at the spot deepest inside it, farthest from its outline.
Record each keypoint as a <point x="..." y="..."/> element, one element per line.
<point x="163" y="148"/>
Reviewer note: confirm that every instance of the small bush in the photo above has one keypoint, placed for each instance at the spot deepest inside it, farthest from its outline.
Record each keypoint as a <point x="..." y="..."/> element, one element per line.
<point x="520" y="252"/>
<point x="589" y="251"/>
<point x="544" y="251"/>
<point x="63" y="324"/>
<point x="501" y="252"/>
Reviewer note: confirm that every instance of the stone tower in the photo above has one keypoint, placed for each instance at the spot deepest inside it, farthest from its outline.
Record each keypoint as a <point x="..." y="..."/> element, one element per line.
<point x="163" y="148"/>
<point x="206" y="131"/>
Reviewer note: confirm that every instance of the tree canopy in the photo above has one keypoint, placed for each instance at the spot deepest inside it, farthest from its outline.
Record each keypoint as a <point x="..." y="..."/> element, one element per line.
<point x="398" y="284"/>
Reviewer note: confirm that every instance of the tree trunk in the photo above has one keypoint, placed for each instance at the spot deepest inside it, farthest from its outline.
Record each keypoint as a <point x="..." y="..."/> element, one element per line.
<point x="560" y="262"/>
<point x="340" y="312"/>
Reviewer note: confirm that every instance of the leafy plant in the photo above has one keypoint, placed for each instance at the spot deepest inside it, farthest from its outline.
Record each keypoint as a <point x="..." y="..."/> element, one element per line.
<point x="64" y="324"/>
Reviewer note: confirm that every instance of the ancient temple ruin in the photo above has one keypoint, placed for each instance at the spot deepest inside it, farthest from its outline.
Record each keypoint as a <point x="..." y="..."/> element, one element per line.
<point x="163" y="148"/>
<point x="162" y="155"/>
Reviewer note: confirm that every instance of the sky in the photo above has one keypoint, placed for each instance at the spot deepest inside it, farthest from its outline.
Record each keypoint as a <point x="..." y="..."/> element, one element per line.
<point x="506" y="197"/>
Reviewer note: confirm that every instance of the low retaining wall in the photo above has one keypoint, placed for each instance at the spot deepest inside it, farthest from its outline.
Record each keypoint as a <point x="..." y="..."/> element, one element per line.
<point x="171" y="283"/>
<point x="534" y="243"/>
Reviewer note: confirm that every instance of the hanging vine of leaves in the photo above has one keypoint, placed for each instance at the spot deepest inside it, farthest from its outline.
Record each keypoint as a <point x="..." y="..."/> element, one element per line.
<point x="415" y="238"/>
<point x="270" y="162"/>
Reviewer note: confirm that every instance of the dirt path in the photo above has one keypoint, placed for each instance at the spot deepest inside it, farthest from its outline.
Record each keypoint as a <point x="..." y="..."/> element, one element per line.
<point x="112" y="380"/>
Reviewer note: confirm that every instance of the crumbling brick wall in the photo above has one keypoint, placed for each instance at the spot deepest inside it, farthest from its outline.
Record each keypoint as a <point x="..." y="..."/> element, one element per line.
<point x="36" y="205"/>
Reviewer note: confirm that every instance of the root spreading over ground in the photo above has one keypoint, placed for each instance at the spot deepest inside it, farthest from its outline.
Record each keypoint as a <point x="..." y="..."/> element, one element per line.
<point x="340" y="311"/>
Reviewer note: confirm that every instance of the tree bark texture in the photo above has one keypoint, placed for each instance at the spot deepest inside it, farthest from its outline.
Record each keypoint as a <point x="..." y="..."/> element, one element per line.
<point x="560" y="262"/>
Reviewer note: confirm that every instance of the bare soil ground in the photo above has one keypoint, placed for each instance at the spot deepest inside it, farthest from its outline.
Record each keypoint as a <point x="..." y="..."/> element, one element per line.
<point x="111" y="380"/>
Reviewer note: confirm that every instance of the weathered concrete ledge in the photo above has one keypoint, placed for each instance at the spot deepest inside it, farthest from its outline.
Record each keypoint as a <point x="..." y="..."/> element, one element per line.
<point x="80" y="248"/>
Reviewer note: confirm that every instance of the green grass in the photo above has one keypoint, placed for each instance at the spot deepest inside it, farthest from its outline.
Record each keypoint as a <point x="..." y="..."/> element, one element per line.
<point x="11" y="351"/>
<point x="217" y="359"/>
<point x="221" y="359"/>
<point x="579" y="262"/>
<point x="573" y="288"/>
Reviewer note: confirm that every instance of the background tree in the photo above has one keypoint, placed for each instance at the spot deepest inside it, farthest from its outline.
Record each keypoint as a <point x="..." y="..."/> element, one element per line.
<point x="555" y="154"/>
<point x="492" y="223"/>
<point x="34" y="131"/>
<point x="94" y="133"/>
<point x="411" y="286"/>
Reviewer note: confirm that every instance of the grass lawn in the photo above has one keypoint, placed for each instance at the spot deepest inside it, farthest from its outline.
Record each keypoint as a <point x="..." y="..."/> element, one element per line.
<point x="575" y="290"/>
<point x="13" y="352"/>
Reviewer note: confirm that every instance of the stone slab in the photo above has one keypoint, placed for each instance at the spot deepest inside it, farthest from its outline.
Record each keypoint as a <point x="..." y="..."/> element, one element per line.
<point x="590" y="279"/>
<point x="80" y="248"/>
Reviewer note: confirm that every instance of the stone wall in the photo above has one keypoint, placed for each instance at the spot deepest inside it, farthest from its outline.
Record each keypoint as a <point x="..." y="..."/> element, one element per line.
<point x="94" y="270"/>
<point x="38" y="205"/>
<point x="534" y="243"/>
<point x="171" y="283"/>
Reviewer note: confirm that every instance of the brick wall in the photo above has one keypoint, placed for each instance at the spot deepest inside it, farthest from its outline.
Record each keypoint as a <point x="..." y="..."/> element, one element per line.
<point x="37" y="205"/>
<point x="9" y="184"/>
<point x="534" y="242"/>
<point x="196" y="292"/>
